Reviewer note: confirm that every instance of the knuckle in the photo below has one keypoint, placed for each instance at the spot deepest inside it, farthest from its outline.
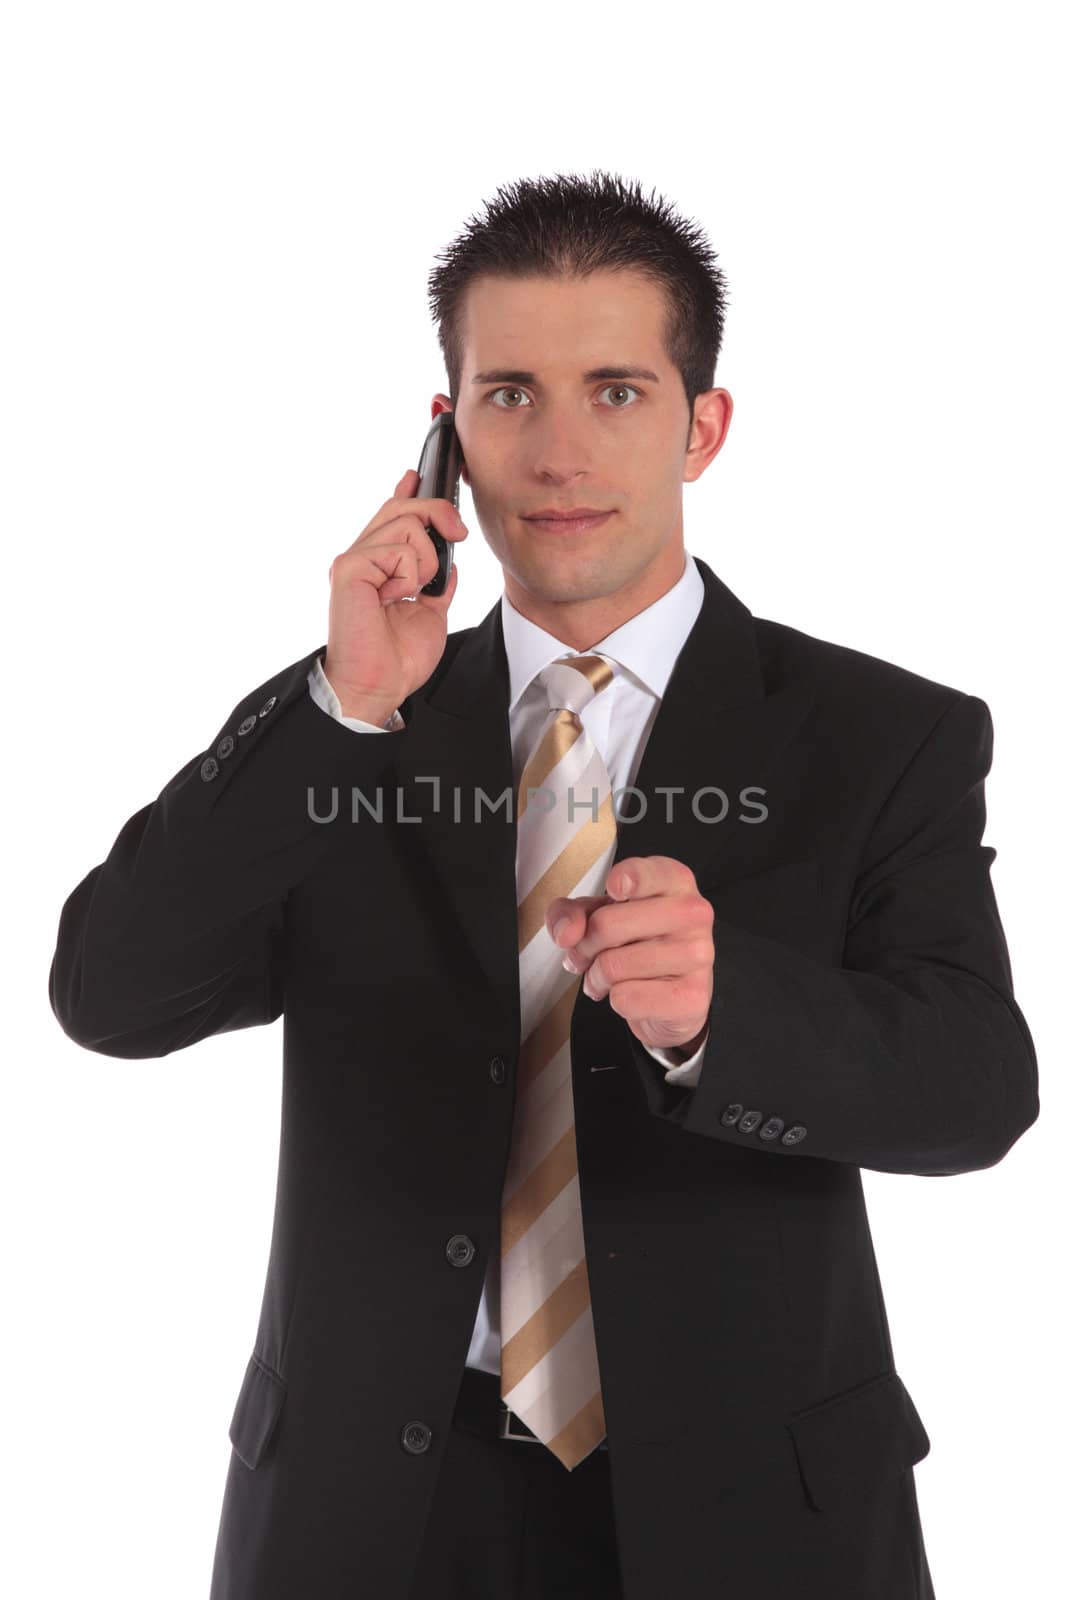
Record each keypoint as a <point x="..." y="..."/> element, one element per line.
<point x="683" y="993"/>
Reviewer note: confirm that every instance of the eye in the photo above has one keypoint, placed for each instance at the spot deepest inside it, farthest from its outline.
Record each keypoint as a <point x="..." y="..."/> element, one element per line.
<point x="616" y="387"/>
<point x="495" y="392"/>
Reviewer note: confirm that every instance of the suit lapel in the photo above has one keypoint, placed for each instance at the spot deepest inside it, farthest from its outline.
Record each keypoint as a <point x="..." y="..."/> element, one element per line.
<point x="716" y="726"/>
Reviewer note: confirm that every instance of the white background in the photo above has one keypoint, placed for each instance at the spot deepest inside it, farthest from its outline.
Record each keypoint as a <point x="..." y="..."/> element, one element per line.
<point x="217" y="361"/>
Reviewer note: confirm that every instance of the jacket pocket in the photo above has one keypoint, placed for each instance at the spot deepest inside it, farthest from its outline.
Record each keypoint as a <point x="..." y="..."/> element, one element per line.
<point x="256" y="1413"/>
<point x="849" y="1444"/>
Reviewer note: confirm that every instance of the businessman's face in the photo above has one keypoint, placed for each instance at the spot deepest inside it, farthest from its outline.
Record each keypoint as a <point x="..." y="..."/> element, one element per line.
<point x="553" y="414"/>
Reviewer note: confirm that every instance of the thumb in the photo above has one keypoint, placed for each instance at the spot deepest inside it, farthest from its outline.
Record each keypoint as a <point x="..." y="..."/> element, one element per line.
<point x="566" y="919"/>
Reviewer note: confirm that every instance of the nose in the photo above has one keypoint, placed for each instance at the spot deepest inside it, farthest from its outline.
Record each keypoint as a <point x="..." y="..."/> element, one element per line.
<point x="560" y="456"/>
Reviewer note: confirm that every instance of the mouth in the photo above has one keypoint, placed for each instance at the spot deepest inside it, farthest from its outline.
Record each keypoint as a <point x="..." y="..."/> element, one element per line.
<point x="569" y="524"/>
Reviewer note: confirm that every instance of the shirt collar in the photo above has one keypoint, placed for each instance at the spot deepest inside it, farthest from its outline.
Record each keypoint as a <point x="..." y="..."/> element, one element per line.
<point x="645" y="647"/>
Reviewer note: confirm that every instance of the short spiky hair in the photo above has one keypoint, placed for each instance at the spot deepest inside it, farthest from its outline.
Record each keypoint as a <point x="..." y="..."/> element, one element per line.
<point x="569" y="225"/>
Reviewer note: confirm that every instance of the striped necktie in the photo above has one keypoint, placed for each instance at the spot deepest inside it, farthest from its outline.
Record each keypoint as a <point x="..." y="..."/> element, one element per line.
<point x="548" y="1364"/>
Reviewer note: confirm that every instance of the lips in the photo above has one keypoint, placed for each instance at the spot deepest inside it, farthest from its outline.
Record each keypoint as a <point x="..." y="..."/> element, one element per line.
<point x="569" y="524"/>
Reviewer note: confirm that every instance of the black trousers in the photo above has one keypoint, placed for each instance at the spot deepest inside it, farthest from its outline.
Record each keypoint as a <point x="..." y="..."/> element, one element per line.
<point x="508" y="1521"/>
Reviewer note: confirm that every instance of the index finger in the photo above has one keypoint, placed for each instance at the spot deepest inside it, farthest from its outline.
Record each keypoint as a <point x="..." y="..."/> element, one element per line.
<point x="409" y="483"/>
<point x="638" y="877"/>
<point x="441" y="513"/>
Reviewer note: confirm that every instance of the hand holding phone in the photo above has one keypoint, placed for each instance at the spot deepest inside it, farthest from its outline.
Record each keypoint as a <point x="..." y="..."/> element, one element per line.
<point x="378" y="651"/>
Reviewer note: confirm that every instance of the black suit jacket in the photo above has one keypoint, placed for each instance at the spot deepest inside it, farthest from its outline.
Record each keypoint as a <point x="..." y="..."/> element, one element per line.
<point x="863" y="1016"/>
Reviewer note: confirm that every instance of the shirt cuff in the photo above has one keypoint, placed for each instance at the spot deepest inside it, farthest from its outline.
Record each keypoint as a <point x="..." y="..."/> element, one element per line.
<point x="324" y="696"/>
<point x="687" y="1072"/>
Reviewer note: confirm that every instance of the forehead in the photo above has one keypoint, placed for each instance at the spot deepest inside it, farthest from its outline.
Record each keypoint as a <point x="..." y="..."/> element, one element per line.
<point x="539" y="322"/>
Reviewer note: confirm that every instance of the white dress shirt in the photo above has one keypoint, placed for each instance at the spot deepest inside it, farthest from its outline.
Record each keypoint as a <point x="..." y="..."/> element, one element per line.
<point x="619" y="719"/>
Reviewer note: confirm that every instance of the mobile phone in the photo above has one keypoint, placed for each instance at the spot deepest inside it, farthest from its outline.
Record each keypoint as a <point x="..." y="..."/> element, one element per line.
<point x="439" y="469"/>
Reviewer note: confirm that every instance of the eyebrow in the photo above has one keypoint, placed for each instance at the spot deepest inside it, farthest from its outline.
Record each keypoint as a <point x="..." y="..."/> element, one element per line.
<point x="513" y="375"/>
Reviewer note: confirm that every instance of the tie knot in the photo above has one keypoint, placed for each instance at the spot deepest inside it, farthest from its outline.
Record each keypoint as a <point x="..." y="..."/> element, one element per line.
<point x="572" y="681"/>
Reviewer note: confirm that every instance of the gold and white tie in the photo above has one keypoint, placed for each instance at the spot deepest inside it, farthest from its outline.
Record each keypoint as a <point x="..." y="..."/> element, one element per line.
<point x="549" y="1374"/>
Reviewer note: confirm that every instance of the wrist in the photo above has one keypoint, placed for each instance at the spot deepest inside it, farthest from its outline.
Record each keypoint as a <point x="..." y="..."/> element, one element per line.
<point x="367" y="708"/>
<point x="365" y="713"/>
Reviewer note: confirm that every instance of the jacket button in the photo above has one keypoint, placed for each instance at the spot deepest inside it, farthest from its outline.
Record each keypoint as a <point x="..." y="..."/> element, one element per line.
<point x="246" y="727"/>
<point x="460" y="1250"/>
<point x="226" y="746"/>
<point x="209" y="769"/>
<point x="498" y="1069"/>
<point x="750" y="1120"/>
<point x="794" y="1135"/>
<point x="771" y="1128"/>
<point x="268" y="705"/>
<point x="730" y="1115"/>
<point x="416" y="1438"/>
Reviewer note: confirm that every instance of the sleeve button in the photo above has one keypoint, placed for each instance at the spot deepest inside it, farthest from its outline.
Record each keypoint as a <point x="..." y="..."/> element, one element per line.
<point x="416" y="1437"/>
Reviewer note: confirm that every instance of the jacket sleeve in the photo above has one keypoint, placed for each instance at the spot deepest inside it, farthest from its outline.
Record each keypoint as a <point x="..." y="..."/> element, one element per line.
<point x="912" y="1055"/>
<point x="180" y="932"/>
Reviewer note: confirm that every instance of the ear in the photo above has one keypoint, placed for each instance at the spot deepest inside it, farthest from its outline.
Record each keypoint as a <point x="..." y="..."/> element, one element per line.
<point x="712" y="412"/>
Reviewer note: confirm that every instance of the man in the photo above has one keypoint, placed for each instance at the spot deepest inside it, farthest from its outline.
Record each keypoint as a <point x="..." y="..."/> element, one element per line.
<point x="621" y="1046"/>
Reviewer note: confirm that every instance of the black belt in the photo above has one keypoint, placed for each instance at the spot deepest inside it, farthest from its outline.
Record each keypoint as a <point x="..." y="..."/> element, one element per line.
<point x="480" y="1409"/>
